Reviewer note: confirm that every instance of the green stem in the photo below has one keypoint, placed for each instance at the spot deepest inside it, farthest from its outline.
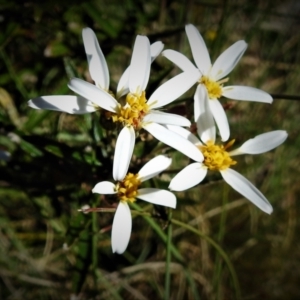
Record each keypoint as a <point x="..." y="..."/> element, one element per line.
<point x="179" y="257"/>
<point x="218" y="263"/>
<point x="223" y="214"/>
<point x="173" y="250"/>
<point x="113" y="290"/>
<point x="219" y="250"/>
<point x="159" y="231"/>
<point x="168" y="258"/>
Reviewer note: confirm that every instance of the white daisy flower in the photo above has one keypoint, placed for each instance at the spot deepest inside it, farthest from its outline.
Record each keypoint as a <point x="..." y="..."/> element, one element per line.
<point x="99" y="73"/>
<point x="127" y="190"/>
<point x="211" y="78"/>
<point x="138" y="112"/>
<point x="219" y="158"/>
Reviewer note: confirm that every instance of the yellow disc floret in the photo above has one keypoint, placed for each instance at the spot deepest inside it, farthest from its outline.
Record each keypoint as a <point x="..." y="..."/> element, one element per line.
<point x="214" y="88"/>
<point x="132" y="113"/>
<point x="216" y="157"/>
<point x="127" y="188"/>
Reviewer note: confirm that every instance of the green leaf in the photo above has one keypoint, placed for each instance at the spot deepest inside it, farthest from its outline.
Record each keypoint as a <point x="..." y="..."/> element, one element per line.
<point x="35" y="118"/>
<point x="54" y="150"/>
<point x="30" y="149"/>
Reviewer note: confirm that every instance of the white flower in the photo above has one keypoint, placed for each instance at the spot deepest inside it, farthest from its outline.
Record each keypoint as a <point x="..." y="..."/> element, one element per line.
<point x="127" y="190"/>
<point x="138" y="112"/>
<point x="218" y="158"/>
<point x="211" y="78"/>
<point x="99" y="73"/>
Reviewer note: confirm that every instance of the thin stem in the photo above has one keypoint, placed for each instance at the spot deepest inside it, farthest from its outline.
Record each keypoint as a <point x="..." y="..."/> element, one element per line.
<point x="274" y="96"/>
<point x="220" y="251"/>
<point x="97" y="209"/>
<point x="218" y="263"/>
<point x="173" y="250"/>
<point x="101" y="279"/>
<point x="110" y="210"/>
<point x="286" y="97"/>
<point x="158" y="230"/>
<point x="168" y="258"/>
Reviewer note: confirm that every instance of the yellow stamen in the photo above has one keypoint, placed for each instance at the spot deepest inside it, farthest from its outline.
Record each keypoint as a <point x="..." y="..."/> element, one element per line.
<point x="127" y="188"/>
<point x="216" y="157"/>
<point x="133" y="111"/>
<point x="214" y="88"/>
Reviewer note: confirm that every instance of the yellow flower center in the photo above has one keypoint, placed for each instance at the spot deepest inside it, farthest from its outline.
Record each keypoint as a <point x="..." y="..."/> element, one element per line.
<point x="216" y="157"/>
<point x="127" y="188"/>
<point x="214" y="88"/>
<point x="132" y="113"/>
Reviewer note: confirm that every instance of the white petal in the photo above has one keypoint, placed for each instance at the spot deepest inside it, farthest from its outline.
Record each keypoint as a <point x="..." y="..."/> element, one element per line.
<point x="166" y="118"/>
<point x="262" y="143"/>
<point x="157" y="196"/>
<point x="123" y="152"/>
<point x="203" y="116"/>
<point x="188" y="177"/>
<point x="104" y="187"/>
<point x="247" y="189"/>
<point x="185" y="133"/>
<point x="96" y="60"/>
<point x="140" y="65"/>
<point x="121" y="228"/>
<point x="174" y="140"/>
<point x="155" y="50"/>
<point x="199" y="50"/>
<point x="246" y="93"/>
<point x="228" y="60"/>
<point x="69" y="104"/>
<point x="220" y="118"/>
<point x="179" y="60"/>
<point x="173" y="88"/>
<point x="94" y="94"/>
<point x="123" y="85"/>
<point x="154" y="166"/>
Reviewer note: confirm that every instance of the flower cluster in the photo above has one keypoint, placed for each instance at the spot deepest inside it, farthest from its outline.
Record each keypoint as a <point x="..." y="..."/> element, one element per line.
<point x="133" y="109"/>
